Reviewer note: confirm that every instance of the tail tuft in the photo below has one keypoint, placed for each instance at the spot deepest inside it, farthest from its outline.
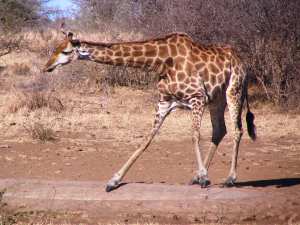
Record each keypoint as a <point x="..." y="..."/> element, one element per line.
<point x="250" y="125"/>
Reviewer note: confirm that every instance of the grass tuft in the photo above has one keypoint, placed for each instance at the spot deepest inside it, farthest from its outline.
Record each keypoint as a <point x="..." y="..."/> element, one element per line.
<point x="42" y="132"/>
<point x="36" y="100"/>
<point x="20" y="69"/>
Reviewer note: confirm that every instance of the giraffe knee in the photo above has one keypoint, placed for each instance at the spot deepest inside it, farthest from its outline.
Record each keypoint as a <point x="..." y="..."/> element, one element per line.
<point x="196" y="136"/>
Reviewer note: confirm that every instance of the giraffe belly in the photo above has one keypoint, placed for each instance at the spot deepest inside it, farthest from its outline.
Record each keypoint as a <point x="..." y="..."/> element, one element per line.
<point x="181" y="105"/>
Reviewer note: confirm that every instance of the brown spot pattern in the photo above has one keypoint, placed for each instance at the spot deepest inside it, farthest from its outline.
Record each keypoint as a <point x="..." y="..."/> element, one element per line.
<point x="212" y="67"/>
<point x="190" y="91"/>
<point x="173" y="50"/>
<point x="180" y="76"/>
<point x="213" y="79"/>
<point x="137" y="53"/>
<point x="119" y="61"/>
<point x="173" y="87"/>
<point x="204" y="57"/>
<point x="220" y="78"/>
<point x="179" y="94"/>
<point x="200" y="66"/>
<point x="219" y="63"/>
<point x="179" y="61"/>
<point x="181" y="49"/>
<point x="151" y="51"/>
<point x="126" y="54"/>
<point x="163" y="51"/>
<point x="205" y="74"/>
<point x="137" y="48"/>
<point x="189" y="68"/>
<point x="118" y="53"/>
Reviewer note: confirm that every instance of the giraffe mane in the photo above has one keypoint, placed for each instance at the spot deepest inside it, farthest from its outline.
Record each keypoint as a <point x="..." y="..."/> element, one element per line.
<point x="102" y="44"/>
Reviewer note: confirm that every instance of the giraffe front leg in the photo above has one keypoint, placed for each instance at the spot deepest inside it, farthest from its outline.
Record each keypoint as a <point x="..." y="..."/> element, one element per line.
<point x="164" y="108"/>
<point x="201" y="177"/>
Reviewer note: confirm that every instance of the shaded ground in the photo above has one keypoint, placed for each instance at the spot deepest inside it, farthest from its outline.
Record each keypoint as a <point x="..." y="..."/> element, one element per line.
<point x="160" y="202"/>
<point x="94" y="142"/>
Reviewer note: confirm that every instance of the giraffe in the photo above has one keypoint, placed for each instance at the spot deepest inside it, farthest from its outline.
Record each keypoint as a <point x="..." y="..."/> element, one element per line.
<point x="191" y="76"/>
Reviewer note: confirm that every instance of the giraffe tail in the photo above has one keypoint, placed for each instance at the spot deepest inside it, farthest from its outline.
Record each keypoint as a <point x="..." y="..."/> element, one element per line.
<point x="250" y="117"/>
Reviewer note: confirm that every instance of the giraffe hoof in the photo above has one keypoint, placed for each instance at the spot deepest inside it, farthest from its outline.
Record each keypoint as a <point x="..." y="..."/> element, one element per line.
<point x="109" y="188"/>
<point x="230" y="182"/>
<point x="203" y="182"/>
<point x="112" y="184"/>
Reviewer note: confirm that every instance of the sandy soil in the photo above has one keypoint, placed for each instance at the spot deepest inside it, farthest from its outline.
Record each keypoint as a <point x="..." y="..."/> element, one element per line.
<point x="96" y="135"/>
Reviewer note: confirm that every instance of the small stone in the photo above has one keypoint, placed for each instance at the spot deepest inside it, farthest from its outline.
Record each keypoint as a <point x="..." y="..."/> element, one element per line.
<point x="5" y="146"/>
<point x="175" y="217"/>
<point x="90" y="149"/>
<point x="9" y="158"/>
<point x="46" y="150"/>
<point x="249" y="218"/>
<point x="57" y="172"/>
<point x="197" y="220"/>
<point x="283" y="217"/>
<point x="138" y="136"/>
<point x="292" y="218"/>
<point x="212" y="217"/>
<point x="22" y="156"/>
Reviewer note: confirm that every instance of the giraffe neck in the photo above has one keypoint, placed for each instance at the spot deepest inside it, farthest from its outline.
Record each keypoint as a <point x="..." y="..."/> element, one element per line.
<point x="146" y="55"/>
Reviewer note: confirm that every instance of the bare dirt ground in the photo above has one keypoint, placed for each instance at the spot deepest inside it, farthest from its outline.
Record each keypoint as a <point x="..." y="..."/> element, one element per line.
<point x="96" y="134"/>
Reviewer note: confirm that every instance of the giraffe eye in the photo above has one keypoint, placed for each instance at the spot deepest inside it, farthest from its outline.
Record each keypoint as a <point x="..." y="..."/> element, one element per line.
<point x="67" y="52"/>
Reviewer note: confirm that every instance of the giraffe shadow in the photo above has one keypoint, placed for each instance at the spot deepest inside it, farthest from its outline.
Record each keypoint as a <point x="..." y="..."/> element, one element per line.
<point x="126" y="183"/>
<point x="279" y="183"/>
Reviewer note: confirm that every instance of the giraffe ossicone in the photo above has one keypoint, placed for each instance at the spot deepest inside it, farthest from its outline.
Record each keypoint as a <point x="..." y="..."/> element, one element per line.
<point x="192" y="76"/>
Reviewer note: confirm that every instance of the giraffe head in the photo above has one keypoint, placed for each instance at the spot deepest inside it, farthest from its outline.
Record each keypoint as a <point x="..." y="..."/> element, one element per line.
<point x="68" y="50"/>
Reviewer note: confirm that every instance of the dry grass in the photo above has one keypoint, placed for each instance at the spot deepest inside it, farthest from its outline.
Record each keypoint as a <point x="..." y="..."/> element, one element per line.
<point x="41" y="132"/>
<point x="35" y="100"/>
<point x="127" y="115"/>
<point x="20" y="69"/>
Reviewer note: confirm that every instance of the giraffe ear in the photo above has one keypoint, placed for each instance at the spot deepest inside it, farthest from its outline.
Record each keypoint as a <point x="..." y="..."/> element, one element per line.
<point x="62" y="28"/>
<point x="70" y="36"/>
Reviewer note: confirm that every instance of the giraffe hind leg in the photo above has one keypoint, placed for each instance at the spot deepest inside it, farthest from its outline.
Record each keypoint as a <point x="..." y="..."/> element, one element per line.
<point x="218" y="129"/>
<point x="235" y="103"/>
